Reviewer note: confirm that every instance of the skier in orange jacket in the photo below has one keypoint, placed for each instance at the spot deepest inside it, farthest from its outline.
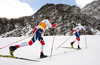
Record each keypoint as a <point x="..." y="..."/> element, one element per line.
<point x="37" y="35"/>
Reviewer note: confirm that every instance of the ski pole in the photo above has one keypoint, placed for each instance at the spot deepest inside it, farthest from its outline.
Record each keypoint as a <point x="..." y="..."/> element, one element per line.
<point x="85" y="41"/>
<point x="53" y="43"/>
<point x="16" y="42"/>
<point x="63" y="42"/>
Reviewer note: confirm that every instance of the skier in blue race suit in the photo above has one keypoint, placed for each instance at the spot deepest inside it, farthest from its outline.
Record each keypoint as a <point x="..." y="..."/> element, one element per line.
<point x="77" y="34"/>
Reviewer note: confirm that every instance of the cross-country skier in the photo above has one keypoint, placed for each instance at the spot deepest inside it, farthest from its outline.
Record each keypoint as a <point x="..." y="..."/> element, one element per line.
<point x="77" y="34"/>
<point x="37" y="35"/>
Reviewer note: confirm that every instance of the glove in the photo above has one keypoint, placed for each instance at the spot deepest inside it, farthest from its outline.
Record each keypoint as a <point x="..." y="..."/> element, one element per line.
<point x="72" y="32"/>
<point x="34" y="30"/>
<point x="54" y="25"/>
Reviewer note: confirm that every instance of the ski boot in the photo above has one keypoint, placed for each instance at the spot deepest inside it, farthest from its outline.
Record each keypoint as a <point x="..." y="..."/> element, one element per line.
<point x="12" y="49"/>
<point x="43" y="56"/>
<point x="79" y="47"/>
<point x="71" y="45"/>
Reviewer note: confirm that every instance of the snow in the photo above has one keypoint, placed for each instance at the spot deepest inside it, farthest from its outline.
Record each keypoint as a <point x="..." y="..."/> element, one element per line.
<point x="89" y="56"/>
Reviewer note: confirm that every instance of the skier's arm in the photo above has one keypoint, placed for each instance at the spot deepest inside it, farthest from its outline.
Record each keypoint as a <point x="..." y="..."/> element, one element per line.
<point x="34" y="30"/>
<point x="84" y="28"/>
<point x="74" y="29"/>
<point x="49" y="24"/>
<point x="54" y="25"/>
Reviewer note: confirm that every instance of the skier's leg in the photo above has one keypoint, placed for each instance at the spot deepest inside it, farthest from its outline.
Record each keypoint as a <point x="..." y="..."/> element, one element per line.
<point x="78" y="39"/>
<point x="79" y="44"/>
<point x="13" y="48"/>
<point x="74" y="40"/>
<point x="42" y="47"/>
<point x="42" y="43"/>
<point x="28" y="43"/>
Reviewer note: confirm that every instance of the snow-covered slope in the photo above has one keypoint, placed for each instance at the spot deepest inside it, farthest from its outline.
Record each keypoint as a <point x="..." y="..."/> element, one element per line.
<point x="89" y="56"/>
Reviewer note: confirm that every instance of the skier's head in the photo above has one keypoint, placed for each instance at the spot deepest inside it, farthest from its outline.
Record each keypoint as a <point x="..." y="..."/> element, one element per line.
<point x="78" y="24"/>
<point x="47" y="17"/>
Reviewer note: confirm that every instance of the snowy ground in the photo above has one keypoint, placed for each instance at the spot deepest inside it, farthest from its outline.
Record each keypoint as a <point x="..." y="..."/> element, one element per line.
<point x="89" y="56"/>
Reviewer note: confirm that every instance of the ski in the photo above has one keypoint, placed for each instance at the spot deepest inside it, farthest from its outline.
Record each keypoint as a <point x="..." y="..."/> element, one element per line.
<point x="8" y="56"/>
<point x="70" y="48"/>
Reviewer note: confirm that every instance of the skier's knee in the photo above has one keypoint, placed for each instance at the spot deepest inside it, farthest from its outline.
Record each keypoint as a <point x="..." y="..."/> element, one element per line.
<point x="30" y="42"/>
<point x="42" y="43"/>
<point x="78" y="39"/>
